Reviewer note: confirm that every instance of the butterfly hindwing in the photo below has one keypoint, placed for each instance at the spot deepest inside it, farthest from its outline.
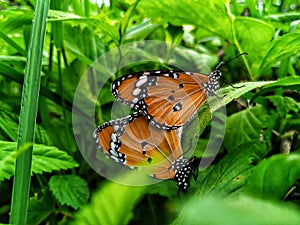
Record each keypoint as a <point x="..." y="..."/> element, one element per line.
<point x="134" y="142"/>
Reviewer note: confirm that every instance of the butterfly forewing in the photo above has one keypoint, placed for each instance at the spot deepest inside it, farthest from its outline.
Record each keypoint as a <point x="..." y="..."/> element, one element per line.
<point x="169" y="99"/>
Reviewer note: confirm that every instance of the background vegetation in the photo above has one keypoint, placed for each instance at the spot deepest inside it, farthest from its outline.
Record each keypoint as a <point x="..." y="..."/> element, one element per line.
<point x="255" y="178"/>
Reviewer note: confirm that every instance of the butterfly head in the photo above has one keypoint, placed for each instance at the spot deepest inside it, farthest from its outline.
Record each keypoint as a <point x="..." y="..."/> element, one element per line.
<point x="184" y="169"/>
<point x="212" y="85"/>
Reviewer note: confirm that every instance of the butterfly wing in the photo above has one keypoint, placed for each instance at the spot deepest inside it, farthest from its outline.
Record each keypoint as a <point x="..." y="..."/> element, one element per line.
<point x="134" y="142"/>
<point x="168" y="99"/>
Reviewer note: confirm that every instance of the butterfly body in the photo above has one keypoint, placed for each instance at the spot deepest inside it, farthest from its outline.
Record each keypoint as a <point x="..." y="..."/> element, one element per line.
<point x="167" y="98"/>
<point x="134" y="142"/>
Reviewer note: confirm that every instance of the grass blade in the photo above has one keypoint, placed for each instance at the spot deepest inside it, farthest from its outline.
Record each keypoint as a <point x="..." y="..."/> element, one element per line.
<point x="28" y="114"/>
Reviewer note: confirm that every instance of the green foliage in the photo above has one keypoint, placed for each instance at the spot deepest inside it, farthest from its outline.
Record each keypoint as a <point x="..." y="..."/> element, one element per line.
<point x="69" y="189"/>
<point x="269" y="179"/>
<point x="239" y="210"/>
<point x="111" y="204"/>
<point x="40" y="209"/>
<point x="250" y="131"/>
<point x="44" y="159"/>
<point x="278" y="50"/>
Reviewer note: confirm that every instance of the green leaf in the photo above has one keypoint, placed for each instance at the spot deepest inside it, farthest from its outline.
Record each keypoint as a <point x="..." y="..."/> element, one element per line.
<point x="111" y="204"/>
<point x="245" y="28"/>
<point x="284" y="105"/>
<point x="252" y="124"/>
<point x="285" y="17"/>
<point x="280" y="49"/>
<point x="71" y="190"/>
<point x="56" y="15"/>
<point x="140" y="31"/>
<point x="232" y="93"/>
<point x="285" y="83"/>
<point x="48" y="158"/>
<point x="7" y="163"/>
<point x="40" y="209"/>
<point x="217" y="102"/>
<point x="210" y="16"/>
<point x="8" y="124"/>
<point x="44" y="159"/>
<point x="274" y="176"/>
<point x="94" y="24"/>
<point x="9" y="127"/>
<point x="13" y="22"/>
<point x="28" y="113"/>
<point x="229" y="175"/>
<point x="236" y="211"/>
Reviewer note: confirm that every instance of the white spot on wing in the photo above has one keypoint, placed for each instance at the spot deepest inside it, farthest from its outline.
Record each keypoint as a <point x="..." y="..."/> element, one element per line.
<point x="113" y="153"/>
<point x="135" y="100"/>
<point x="142" y="80"/>
<point x="114" y="137"/>
<point x="112" y="145"/>
<point x="115" y="158"/>
<point x="136" y="91"/>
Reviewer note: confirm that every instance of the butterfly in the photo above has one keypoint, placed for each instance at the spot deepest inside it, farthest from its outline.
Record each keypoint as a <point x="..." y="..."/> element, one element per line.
<point x="168" y="99"/>
<point x="134" y="142"/>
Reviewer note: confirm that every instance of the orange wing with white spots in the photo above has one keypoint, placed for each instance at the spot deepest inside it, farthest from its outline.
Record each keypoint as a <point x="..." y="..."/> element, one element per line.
<point x="134" y="142"/>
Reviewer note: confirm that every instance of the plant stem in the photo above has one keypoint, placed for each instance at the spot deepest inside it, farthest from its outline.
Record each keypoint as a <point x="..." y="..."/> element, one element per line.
<point x="28" y="113"/>
<point x="237" y="44"/>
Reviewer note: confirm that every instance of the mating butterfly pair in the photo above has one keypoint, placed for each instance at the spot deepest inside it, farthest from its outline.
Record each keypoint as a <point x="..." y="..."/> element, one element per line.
<point x="166" y="100"/>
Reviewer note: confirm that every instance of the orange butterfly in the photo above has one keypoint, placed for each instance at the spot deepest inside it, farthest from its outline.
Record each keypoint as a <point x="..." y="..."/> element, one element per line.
<point x="134" y="142"/>
<point x="167" y="98"/>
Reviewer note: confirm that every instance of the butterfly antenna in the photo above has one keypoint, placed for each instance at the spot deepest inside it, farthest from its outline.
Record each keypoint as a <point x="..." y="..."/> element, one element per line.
<point x="223" y="63"/>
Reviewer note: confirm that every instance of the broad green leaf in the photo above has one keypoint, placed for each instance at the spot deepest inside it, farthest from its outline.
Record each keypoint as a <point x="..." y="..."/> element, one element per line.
<point x="111" y="204"/>
<point x="280" y="49"/>
<point x="48" y="158"/>
<point x="40" y="209"/>
<point x="210" y="16"/>
<point x="71" y="190"/>
<point x="229" y="175"/>
<point x="44" y="159"/>
<point x="252" y="124"/>
<point x="245" y="28"/>
<point x="274" y="176"/>
<point x="237" y="211"/>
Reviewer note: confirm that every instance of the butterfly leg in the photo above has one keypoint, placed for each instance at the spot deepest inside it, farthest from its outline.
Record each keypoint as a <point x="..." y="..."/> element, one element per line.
<point x="226" y="82"/>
